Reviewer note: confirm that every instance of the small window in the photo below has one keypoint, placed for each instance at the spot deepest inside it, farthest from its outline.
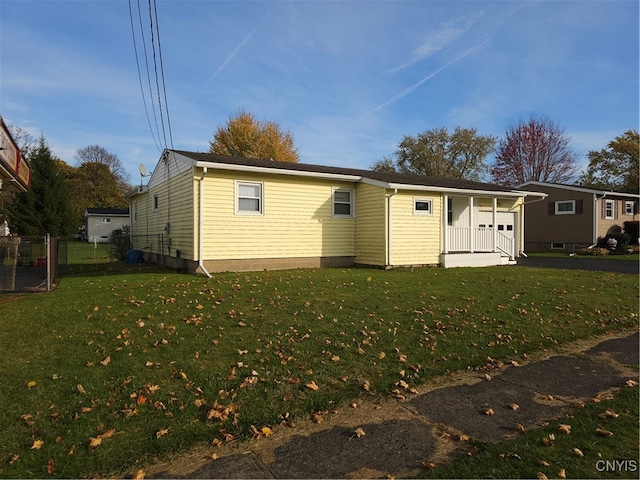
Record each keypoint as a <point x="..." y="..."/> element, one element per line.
<point x="609" y="207"/>
<point x="450" y="211"/>
<point x="557" y="246"/>
<point x="509" y="228"/>
<point x="628" y="208"/>
<point x="422" y="207"/>
<point x="500" y="227"/>
<point x="106" y="220"/>
<point x="155" y="203"/>
<point x="566" y="207"/>
<point x="249" y="198"/>
<point x="342" y="203"/>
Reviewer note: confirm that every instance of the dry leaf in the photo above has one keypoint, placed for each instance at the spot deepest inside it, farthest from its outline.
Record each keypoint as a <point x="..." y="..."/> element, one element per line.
<point x="266" y="431"/>
<point x="94" y="442"/>
<point x="312" y="386"/>
<point x="80" y="388"/>
<point x="429" y="465"/>
<point x="564" y="428"/>
<point x="489" y="411"/>
<point x="544" y="463"/>
<point x="608" y="414"/>
<point x="37" y="445"/>
<point x="632" y="383"/>
<point x="106" y="361"/>
<point x="14" y="459"/>
<point x="603" y="433"/>
<point x="139" y="475"/>
<point x="360" y="432"/>
<point x="108" y="433"/>
<point x="464" y="438"/>
<point x="578" y="452"/>
<point x="31" y="384"/>
<point x="72" y="450"/>
<point x="519" y="427"/>
<point x="51" y="467"/>
<point x="162" y="433"/>
<point x="381" y="355"/>
<point x="562" y="474"/>
<point x="487" y="377"/>
<point x="366" y="385"/>
<point x="514" y="406"/>
<point x="542" y="476"/>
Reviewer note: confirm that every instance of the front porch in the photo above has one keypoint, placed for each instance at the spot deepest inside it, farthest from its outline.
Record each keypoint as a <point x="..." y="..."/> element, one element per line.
<point x="478" y="233"/>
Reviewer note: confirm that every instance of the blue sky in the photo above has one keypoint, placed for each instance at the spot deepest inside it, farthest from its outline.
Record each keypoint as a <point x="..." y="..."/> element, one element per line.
<point x="347" y="78"/>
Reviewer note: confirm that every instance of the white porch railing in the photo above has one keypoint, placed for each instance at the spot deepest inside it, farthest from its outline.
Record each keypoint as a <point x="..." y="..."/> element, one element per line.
<point x="467" y="239"/>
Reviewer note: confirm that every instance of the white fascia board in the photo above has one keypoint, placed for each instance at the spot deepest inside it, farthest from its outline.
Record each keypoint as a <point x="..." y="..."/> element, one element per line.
<point x="431" y="188"/>
<point x="278" y="171"/>
<point x="593" y="191"/>
<point x="527" y="193"/>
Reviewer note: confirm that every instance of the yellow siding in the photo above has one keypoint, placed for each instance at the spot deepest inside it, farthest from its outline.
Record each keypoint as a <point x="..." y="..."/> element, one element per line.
<point x="371" y="225"/>
<point x="175" y="207"/>
<point x="296" y="222"/>
<point x="415" y="239"/>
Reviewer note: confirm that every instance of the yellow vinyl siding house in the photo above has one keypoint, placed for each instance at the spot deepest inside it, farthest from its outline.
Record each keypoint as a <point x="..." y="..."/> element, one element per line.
<point x="212" y="213"/>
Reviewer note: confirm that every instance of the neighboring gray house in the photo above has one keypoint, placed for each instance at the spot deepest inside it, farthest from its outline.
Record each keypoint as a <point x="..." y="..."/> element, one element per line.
<point x="99" y="223"/>
<point x="571" y="217"/>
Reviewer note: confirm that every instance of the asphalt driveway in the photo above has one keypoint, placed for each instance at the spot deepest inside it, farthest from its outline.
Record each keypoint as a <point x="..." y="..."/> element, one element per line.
<point x="598" y="264"/>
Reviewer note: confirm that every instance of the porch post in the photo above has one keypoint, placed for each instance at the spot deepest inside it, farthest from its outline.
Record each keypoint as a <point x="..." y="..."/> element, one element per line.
<point x="494" y="202"/>
<point x="445" y="207"/>
<point x="472" y="237"/>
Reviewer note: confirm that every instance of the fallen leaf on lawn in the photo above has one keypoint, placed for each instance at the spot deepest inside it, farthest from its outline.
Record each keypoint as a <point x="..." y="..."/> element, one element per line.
<point x="51" y="467"/>
<point x="578" y="452"/>
<point x="564" y="428"/>
<point x="514" y="406"/>
<point x="542" y="476"/>
<point x="14" y="459"/>
<point x="489" y="411"/>
<point x="312" y="386"/>
<point x="366" y="385"/>
<point x="266" y="431"/>
<point x="72" y="450"/>
<point x="548" y="440"/>
<point x="562" y="474"/>
<point x="359" y="432"/>
<point x="106" y="361"/>
<point x="487" y="377"/>
<point x="429" y="465"/>
<point x="37" y="445"/>
<point x="162" y="433"/>
<point x="95" y="442"/>
<point x="632" y="383"/>
<point x="108" y="433"/>
<point x="335" y="358"/>
<point x="139" y="475"/>
<point x="381" y="355"/>
<point x="544" y="463"/>
<point x="80" y="388"/>
<point x="519" y="427"/>
<point x="31" y="384"/>
<point x="603" y="433"/>
<point x="214" y="456"/>
<point x="463" y="437"/>
<point x="608" y="414"/>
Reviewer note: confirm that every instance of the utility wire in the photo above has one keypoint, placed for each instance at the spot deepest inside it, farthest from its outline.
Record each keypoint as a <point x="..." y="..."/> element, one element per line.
<point x="155" y="69"/>
<point x="164" y="89"/>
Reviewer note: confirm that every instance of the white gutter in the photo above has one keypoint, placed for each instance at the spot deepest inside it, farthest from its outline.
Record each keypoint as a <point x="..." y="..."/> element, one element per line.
<point x="456" y="191"/>
<point x="276" y="171"/>
<point x="388" y="260"/>
<point x="201" y="223"/>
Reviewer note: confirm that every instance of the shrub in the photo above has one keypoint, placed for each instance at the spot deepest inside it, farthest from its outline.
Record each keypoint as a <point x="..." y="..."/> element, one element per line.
<point x="595" y="251"/>
<point x="633" y="230"/>
<point x="623" y="239"/>
<point x="120" y="242"/>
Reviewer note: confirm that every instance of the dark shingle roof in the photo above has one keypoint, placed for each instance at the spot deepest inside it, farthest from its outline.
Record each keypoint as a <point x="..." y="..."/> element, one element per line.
<point x="386" y="177"/>
<point x="107" y="211"/>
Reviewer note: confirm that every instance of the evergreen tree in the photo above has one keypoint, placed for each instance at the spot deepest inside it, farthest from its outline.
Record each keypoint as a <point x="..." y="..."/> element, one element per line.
<point x="45" y="207"/>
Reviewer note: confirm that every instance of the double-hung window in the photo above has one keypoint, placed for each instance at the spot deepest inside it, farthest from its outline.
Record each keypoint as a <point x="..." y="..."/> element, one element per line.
<point x="249" y="198"/>
<point x="343" y="203"/>
<point x="609" y="209"/>
<point x="566" y="207"/>
<point x="628" y="208"/>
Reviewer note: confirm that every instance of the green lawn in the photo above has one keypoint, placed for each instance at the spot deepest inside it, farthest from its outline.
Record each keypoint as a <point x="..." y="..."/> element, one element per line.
<point x="109" y="371"/>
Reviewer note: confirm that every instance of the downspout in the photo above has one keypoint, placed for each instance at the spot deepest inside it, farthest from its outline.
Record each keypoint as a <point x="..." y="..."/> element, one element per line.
<point x="522" y="218"/>
<point x="201" y="223"/>
<point x="595" y="218"/>
<point x="388" y="260"/>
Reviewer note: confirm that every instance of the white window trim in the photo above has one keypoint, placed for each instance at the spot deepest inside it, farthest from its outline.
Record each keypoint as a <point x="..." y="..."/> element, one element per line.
<point x="352" y="203"/>
<point x="423" y="200"/>
<point x="629" y="208"/>
<point x="613" y="209"/>
<point x="260" y="211"/>
<point x="573" y="209"/>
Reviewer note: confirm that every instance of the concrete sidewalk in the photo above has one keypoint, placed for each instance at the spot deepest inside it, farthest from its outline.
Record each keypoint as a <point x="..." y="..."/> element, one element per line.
<point x="399" y="436"/>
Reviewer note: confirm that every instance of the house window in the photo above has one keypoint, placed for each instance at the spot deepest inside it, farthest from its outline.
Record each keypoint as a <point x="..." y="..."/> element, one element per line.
<point x="628" y="208"/>
<point x="342" y="203"/>
<point x="566" y="207"/>
<point x="106" y="220"/>
<point x="134" y="207"/>
<point x="248" y="198"/>
<point x="609" y="206"/>
<point x="422" y="207"/>
<point x="557" y="246"/>
<point x="155" y="203"/>
<point x="450" y="211"/>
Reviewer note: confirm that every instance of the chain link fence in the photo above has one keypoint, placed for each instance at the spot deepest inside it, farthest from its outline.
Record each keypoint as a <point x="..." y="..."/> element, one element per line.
<point x="28" y="264"/>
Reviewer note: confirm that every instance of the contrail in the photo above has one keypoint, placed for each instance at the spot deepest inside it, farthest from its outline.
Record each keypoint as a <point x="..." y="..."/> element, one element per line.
<point x="413" y="87"/>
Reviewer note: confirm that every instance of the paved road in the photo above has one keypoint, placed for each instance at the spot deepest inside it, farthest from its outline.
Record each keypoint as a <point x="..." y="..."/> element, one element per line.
<point x="599" y="264"/>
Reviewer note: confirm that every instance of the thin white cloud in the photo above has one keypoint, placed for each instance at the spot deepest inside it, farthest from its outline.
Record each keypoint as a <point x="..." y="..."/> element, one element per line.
<point x="413" y="87"/>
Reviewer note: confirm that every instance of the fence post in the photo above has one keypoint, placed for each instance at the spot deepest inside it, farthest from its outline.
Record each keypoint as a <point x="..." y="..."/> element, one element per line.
<point x="47" y="242"/>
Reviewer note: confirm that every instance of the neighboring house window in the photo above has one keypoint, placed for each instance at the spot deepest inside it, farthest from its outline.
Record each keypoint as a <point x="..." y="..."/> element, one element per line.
<point x="565" y="207"/>
<point x="106" y="220"/>
<point x="342" y="203"/>
<point x="628" y="208"/>
<point x="134" y="207"/>
<point x="609" y="207"/>
<point x="155" y="203"/>
<point x="557" y="246"/>
<point x="249" y="198"/>
<point x="422" y="207"/>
